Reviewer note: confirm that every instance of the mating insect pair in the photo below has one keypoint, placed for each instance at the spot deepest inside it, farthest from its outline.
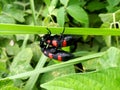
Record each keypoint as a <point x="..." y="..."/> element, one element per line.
<point x="51" y="45"/>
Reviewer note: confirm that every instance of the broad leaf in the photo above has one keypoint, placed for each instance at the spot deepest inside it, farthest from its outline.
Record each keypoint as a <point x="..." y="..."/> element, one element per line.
<point x="111" y="58"/>
<point x="108" y="79"/>
<point x="95" y="5"/>
<point x="13" y="12"/>
<point x="12" y="50"/>
<point x="21" y="62"/>
<point x="78" y="14"/>
<point x="73" y="2"/>
<point x="108" y="17"/>
<point x="7" y="19"/>
<point x="61" y="16"/>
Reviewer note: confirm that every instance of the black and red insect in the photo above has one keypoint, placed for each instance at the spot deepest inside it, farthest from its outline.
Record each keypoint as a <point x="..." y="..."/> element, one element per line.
<point x="57" y="54"/>
<point x="60" y="41"/>
<point x="51" y="46"/>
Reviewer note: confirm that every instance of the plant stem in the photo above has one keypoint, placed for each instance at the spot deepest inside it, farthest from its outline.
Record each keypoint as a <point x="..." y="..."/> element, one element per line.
<point x="114" y="23"/>
<point x="25" y="41"/>
<point x="25" y="29"/>
<point x="32" y="80"/>
<point x="57" y="66"/>
<point x="33" y="11"/>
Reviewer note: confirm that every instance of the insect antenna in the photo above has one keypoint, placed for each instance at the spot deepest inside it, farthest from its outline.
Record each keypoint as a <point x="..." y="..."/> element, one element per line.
<point x="49" y="30"/>
<point x="61" y="36"/>
<point x="63" y="30"/>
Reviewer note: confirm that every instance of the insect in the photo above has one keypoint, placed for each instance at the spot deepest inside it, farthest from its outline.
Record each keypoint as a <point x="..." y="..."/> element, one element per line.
<point x="51" y="46"/>
<point x="54" y="53"/>
<point x="59" y="41"/>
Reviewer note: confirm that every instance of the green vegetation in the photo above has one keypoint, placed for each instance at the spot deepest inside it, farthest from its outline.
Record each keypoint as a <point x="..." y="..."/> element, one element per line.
<point x="95" y="22"/>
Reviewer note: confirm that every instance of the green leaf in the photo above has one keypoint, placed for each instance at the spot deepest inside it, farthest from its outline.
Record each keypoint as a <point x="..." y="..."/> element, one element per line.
<point x="78" y="14"/>
<point x="113" y="2"/>
<point x="113" y="5"/>
<point x="5" y="40"/>
<point x="61" y="16"/>
<point x="117" y="15"/>
<point x="106" y="17"/>
<point x="7" y="85"/>
<point x="111" y="58"/>
<point x="3" y="61"/>
<point x="52" y="6"/>
<point x="56" y="73"/>
<point x="94" y="20"/>
<point x="73" y="2"/>
<point x="7" y="19"/>
<point x="108" y="79"/>
<point x="64" y="2"/>
<point x="12" y="50"/>
<point x="82" y="3"/>
<point x="47" y="2"/>
<point x="21" y="62"/>
<point x="1" y="6"/>
<point x="22" y="37"/>
<point x="95" y="5"/>
<point x="15" y="13"/>
<point x="107" y="40"/>
<point x="36" y="51"/>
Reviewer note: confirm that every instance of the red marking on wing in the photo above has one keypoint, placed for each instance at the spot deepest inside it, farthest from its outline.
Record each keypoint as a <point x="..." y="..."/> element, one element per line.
<point x="64" y="43"/>
<point x="54" y="43"/>
<point x="59" y="58"/>
<point x="48" y="41"/>
<point x="50" y="55"/>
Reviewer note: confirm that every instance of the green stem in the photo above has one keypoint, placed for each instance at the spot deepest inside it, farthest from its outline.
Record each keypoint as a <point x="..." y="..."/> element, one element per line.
<point x="33" y="11"/>
<point x="57" y="66"/>
<point x="25" y="41"/>
<point x="32" y="80"/>
<point x="114" y="23"/>
<point x="25" y="29"/>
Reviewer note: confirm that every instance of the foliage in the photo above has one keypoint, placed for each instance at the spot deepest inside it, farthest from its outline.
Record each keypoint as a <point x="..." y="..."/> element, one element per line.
<point x="94" y="81"/>
<point x="23" y="66"/>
